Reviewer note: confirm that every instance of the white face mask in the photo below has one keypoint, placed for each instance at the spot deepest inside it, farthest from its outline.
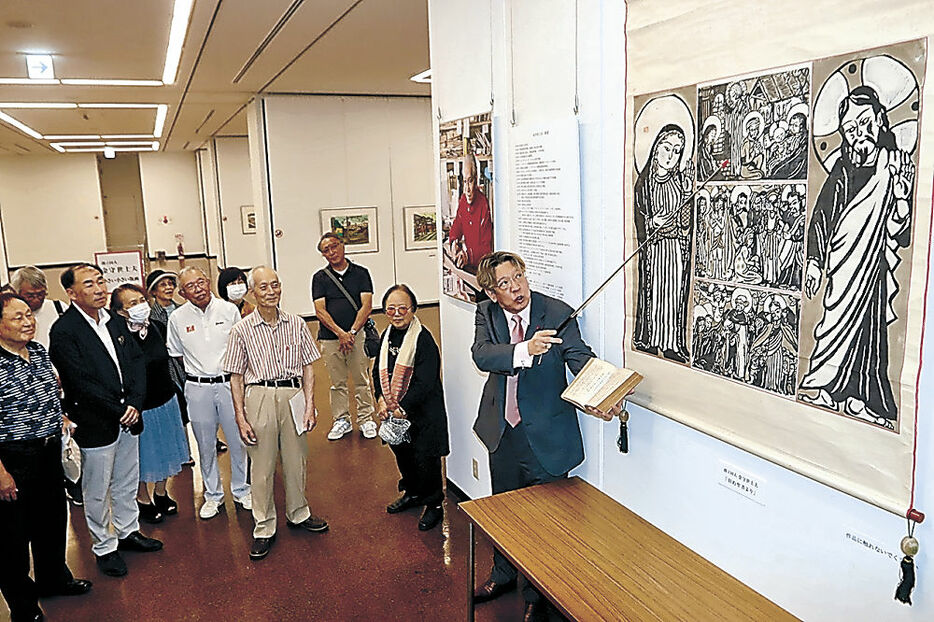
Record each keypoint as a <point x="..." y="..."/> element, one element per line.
<point x="139" y="313"/>
<point x="236" y="291"/>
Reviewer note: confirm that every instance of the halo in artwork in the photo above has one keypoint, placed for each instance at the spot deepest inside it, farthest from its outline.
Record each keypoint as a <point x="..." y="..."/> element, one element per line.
<point x="656" y="114"/>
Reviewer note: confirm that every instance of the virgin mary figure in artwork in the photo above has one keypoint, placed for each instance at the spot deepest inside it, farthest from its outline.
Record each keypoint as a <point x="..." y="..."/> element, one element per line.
<point x="664" y="265"/>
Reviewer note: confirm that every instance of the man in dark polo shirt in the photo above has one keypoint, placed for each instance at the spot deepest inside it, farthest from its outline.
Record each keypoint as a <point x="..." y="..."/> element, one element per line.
<point x="341" y="334"/>
<point x="32" y="498"/>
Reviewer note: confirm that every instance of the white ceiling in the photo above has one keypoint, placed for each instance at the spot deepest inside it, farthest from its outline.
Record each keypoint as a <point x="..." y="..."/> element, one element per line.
<point x="233" y="50"/>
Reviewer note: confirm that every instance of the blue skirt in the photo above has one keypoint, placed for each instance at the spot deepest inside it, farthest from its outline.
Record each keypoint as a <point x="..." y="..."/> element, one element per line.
<point x="162" y="445"/>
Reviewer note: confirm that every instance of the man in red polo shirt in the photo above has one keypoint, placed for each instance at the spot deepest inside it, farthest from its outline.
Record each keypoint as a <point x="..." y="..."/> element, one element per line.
<point x="471" y="234"/>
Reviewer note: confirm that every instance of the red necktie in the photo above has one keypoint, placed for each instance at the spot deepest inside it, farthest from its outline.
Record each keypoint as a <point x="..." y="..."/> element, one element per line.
<point x="512" y="382"/>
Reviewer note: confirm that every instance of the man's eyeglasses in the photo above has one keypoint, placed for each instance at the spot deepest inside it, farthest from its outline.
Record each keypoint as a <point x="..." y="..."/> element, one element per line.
<point x="397" y="310"/>
<point x="505" y="283"/>
<point x="196" y="285"/>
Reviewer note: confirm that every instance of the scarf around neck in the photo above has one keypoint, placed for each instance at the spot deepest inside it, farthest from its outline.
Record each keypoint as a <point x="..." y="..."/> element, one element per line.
<point x="398" y="383"/>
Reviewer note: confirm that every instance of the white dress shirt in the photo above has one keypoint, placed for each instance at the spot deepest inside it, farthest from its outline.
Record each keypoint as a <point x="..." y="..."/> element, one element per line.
<point x="45" y="317"/>
<point x="520" y="354"/>
<point x="100" y="328"/>
<point x="200" y="337"/>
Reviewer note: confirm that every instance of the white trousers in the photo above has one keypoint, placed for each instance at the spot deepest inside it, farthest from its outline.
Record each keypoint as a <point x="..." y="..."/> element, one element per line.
<point x="210" y="405"/>
<point x="109" y="479"/>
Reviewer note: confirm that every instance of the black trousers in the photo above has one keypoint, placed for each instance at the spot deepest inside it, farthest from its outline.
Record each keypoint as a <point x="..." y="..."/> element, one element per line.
<point x="421" y="473"/>
<point x="512" y="466"/>
<point x="37" y="517"/>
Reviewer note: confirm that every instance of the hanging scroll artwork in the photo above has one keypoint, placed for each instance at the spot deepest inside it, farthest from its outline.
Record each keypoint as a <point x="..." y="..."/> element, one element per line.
<point x="783" y="296"/>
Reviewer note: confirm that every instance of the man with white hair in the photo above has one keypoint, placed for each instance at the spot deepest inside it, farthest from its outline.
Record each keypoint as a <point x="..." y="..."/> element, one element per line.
<point x="30" y="283"/>
<point x="198" y="332"/>
<point x="269" y="356"/>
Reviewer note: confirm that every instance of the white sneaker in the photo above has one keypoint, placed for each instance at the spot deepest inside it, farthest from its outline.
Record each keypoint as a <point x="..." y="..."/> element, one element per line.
<point x="339" y="429"/>
<point x="245" y="502"/>
<point x="368" y="429"/>
<point x="210" y="509"/>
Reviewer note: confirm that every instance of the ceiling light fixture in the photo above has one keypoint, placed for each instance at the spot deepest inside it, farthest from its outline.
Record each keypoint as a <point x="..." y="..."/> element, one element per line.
<point x="123" y="136"/>
<point x="57" y="148"/>
<point x="26" y="81"/>
<point x="38" y="105"/>
<point x="80" y="144"/>
<point x="95" y="82"/>
<point x="20" y="126"/>
<point x="155" y="145"/>
<point x="181" y="16"/>
<point x="119" y="105"/>
<point x="161" y="111"/>
<point x="101" y="149"/>
<point x="127" y="143"/>
<point x="423" y="77"/>
<point x="71" y="137"/>
<point x="109" y="153"/>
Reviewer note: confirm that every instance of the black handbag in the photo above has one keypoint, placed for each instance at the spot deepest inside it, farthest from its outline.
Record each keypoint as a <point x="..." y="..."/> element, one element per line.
<point x="370" y="334"/>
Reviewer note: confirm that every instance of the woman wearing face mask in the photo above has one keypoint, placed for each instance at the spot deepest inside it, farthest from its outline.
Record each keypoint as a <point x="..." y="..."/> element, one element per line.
<point x="162" y="445"/>
<point x="231" y="285"/>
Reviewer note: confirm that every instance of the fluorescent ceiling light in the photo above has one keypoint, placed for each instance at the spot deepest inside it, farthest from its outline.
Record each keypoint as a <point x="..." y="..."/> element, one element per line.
<point x="116" y="105"/>
<point x="423" y="77"/>
<point x="127" y="143"/>
<point x="160" y="120"/>
<point x="95" y="82"/>
<point x="38" y="105"/>
<point x="80" y="144"/>
<point x="20" y="126"/>
<point x="70" y="137"/>
<point x="100" y="149"/>
<point x="39" y="66"/>
<point x="26" y="81"/>
<point x="121" y="136"/>
<point x="57" y="148"/>
<point x="155" y="145"/>
<point x="173" y="53"/>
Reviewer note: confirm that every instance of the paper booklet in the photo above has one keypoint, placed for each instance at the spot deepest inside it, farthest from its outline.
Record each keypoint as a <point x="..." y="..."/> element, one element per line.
<point x="297" y="404"/>
<point x="600" y="385"/>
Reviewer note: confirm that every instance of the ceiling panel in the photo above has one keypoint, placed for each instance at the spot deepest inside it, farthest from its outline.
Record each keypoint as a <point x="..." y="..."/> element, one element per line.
<point x="87" y="38"/>
<point x="87" y="120"/>
<point x="375" y="49"/>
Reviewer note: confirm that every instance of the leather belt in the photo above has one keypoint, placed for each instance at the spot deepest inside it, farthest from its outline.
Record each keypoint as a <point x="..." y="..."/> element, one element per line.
<point x="295" y="383"/>
<point x="208" y="379"/>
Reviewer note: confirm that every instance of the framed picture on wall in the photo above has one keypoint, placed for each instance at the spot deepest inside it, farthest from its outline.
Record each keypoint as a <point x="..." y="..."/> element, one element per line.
<point x="421" y="227"/>
<point x="247" y="219"/>
<point x="355" y="225"/>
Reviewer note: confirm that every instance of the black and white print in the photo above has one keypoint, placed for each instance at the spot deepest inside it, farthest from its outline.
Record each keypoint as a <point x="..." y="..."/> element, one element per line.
<point x="758" y="125"/>
<point x="746" y="334"/>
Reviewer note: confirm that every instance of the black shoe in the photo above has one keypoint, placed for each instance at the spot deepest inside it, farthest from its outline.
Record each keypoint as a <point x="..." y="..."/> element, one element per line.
<point x="536" y="612"/>
<point x="73" y="492"/>
<point x="491" y="589"/>
<point x="403" y="503"/>
<point x="112" y="564"/>
<point x="260" y="548"/>
<point x="166" y="504"/>
<point x="312" y="523"/>
<point x="139" y="543"/>
<point x="74" y="587"/>
<point x="430" y="518"/>
<point x="221" y="446"/>
<point x="150" y="513"/>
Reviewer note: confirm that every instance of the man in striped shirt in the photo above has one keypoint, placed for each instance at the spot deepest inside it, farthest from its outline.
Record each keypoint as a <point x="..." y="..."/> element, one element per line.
<point x="269" y="357"/>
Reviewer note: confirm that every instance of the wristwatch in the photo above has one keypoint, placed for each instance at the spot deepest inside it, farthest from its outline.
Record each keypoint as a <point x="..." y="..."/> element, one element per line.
<point x="353" y="331"/>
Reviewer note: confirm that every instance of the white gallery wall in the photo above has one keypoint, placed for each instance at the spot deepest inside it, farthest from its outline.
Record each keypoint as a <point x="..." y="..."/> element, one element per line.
<point x="327" y="152"/>
<point x="234" y="190"/>
<point x="50" y="207"/>
<point x="793" y="548"/>
<point x="172" y="203"/>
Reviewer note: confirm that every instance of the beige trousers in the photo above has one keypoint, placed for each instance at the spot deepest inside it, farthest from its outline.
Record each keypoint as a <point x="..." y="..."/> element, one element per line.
<point x="355" y="365"/>
<point x="267" y="411"/>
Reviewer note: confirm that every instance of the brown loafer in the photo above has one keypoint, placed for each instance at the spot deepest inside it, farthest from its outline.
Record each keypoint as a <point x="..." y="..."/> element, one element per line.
<point x="491" y="589"/>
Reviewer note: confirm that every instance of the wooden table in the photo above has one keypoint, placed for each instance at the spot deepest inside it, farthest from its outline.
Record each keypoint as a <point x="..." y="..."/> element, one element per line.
<point x="596" y="560"/>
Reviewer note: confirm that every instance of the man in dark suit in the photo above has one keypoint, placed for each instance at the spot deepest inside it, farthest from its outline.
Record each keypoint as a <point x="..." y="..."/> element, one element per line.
<point x="103" y="375"/>
<point x="533" y="436"/>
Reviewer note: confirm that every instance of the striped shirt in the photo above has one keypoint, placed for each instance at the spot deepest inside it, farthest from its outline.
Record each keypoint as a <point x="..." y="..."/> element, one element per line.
<point x="261" y="351"/>
<point x="29" y="403"/>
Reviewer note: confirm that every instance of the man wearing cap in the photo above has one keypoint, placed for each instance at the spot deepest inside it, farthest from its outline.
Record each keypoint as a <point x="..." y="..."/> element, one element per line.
<point x="198" y="332"/>
<point x="269" y="357"/>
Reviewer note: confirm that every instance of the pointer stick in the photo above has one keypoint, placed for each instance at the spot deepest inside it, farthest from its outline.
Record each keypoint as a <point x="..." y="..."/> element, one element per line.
<point x="648" y="239"/>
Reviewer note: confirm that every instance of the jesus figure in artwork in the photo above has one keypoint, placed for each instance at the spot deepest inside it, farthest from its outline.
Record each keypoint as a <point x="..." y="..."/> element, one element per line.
<point x="860" y="220"/>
